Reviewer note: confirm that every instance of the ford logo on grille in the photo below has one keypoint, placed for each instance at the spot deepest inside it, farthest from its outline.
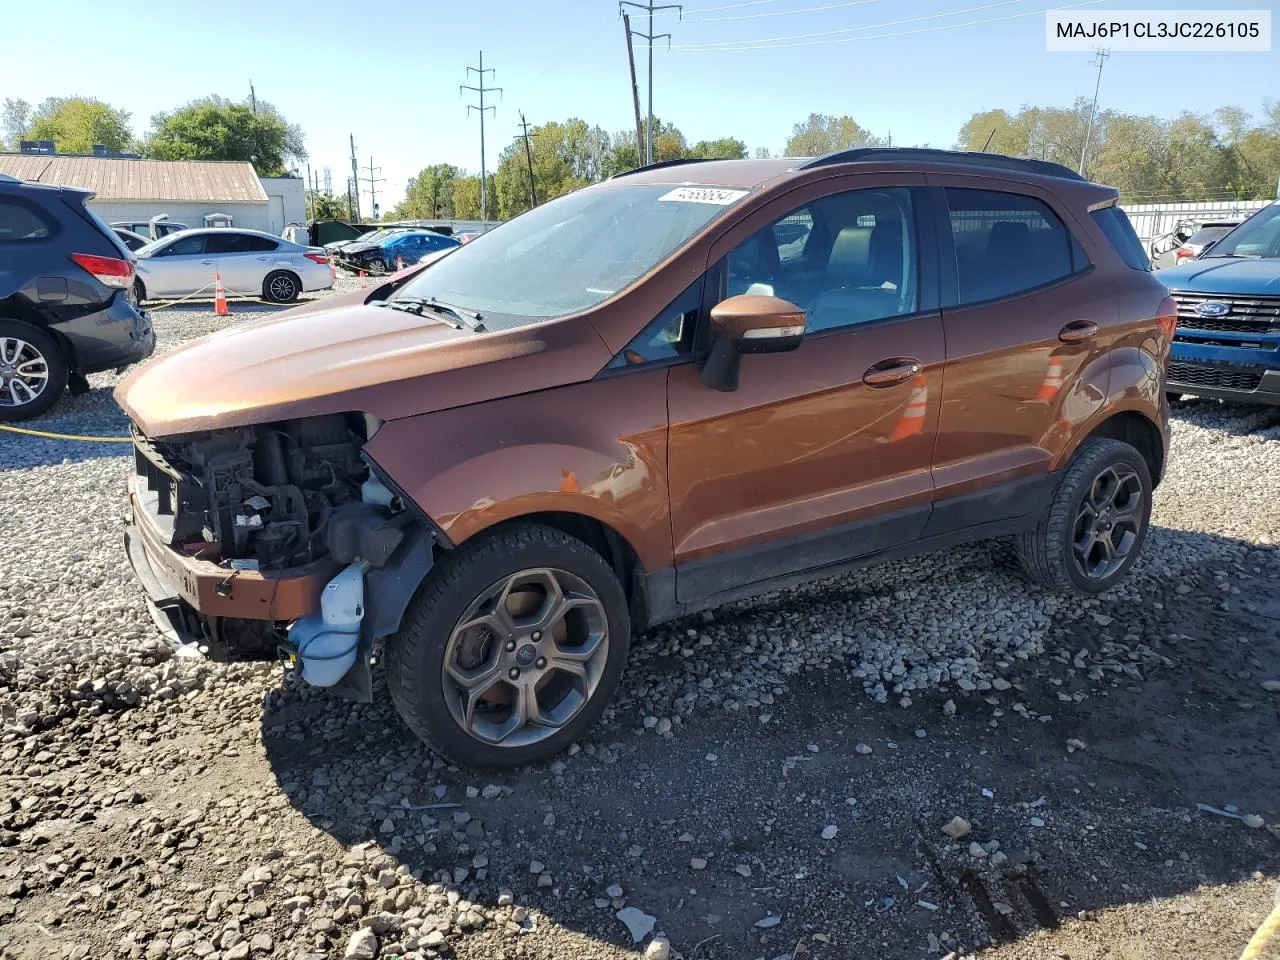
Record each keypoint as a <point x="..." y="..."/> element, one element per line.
<point x="1213" y="308"/>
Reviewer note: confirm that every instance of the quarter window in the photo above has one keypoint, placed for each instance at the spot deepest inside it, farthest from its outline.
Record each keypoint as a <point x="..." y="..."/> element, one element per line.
<point x="669" y="337"/>
<point x="18" y="222"/>
<point x="845" y="259"/>
<point x="1008" y="243"/>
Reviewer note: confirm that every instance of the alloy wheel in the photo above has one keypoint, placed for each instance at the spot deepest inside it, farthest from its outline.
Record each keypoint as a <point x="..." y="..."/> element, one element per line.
<point x="525" y="657"/>
<point x="24" y="372"/>
<point x="283" y="288"/>
<point x="1108" y="522"/>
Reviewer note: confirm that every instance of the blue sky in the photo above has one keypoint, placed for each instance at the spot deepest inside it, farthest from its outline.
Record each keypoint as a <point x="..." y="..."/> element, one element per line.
<point x="395" y="66"/>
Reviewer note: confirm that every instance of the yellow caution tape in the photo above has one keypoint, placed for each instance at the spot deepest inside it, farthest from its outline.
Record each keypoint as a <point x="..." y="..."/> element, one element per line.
<point x="1265" y="934"/>
<point x="65" y="436"/>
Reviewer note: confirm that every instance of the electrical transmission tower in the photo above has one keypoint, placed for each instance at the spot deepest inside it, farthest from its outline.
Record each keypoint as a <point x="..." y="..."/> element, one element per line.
<point x="650" y="36"/>
<point x="1100" y="59"/>
<point x="480" y="71"/>
<point x="373" y="186"/>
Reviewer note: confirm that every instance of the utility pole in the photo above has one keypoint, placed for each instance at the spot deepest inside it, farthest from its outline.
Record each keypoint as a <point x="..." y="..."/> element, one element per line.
<point x="1100" y="58"/>
<point x="528" y="155"/>
<point x="651" y="36"/>
<point x="311" y="193"/>
<point x="635" y="90"/>
<point x="480" y="71"/>
<point x="355" y="179"/>
<point x="253" y="97"/>
<point x="373" y="187"/>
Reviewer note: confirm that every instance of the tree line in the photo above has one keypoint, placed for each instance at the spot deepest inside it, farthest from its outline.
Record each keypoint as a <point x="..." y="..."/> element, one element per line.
<point x="1227" y="154"/>
<point x="210" y="128"/>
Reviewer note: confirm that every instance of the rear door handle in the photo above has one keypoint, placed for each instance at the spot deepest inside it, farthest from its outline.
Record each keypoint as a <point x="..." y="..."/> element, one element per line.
<point x="206" y="261"/>
<point x="889" y="373"/>
<point x="1077" y="331"/>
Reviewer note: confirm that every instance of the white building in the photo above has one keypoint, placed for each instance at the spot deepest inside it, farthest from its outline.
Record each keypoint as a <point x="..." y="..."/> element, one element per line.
<point x="186" y="190"/>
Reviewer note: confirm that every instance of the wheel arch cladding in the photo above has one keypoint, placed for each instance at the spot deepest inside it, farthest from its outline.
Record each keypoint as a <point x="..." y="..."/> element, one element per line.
<point x="1137" y="430"/>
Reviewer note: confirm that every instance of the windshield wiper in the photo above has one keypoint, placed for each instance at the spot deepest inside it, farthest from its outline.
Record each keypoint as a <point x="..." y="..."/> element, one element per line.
<point x="457" y="317"/>
<point x="415" y="305"/>
<point x="471" y="318"/>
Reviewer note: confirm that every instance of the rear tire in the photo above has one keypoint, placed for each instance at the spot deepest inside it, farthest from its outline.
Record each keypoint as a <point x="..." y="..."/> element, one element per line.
<point x="452" y="611"/>
<point x="281" y="286"/>
<point x="139" y="292"/>
<point x="1103" y="497"/>
<point x="377" y="266"/>
<point x="30" y="363"/>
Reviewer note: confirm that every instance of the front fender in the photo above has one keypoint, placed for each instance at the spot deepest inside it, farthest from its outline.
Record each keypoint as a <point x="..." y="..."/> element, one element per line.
<point x="597" y="449"/>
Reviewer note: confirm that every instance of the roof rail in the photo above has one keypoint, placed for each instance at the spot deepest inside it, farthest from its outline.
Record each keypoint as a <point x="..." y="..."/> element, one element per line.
<point x="954" y="157"/>
<point x="659" y="165"/>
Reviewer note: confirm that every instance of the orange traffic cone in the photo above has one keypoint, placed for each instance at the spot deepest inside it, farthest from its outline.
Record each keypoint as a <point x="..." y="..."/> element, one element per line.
<point x="911" y="423"/>
<point x="333" y="268"/>
<point x="219" y="297"/>
<point x="363" y="283"/>
<point x="1052" y="382"/>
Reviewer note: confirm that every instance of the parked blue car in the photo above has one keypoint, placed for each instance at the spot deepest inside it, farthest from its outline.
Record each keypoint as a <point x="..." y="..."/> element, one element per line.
<point x="1228" y="339"/>
<point x="408" y="247"/>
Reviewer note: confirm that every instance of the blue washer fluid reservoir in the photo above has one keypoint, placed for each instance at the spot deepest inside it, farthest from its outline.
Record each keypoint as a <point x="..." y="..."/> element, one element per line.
<point x="327" y="640"/>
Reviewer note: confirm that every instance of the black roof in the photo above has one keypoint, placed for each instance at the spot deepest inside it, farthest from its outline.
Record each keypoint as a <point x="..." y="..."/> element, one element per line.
<point x="990" y="161"/>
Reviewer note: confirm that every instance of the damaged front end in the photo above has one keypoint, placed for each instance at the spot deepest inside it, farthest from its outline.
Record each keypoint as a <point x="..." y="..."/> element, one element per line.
<point x="278" y="538"/>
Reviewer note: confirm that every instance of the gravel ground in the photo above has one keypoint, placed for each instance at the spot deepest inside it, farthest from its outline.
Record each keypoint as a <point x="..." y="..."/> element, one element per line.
<point x="772" y="781"/>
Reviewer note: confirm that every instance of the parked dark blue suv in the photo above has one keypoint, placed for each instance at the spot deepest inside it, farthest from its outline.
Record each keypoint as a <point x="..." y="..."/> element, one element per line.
<point x="1228" y="340"/>
<point x="66" y="297"/>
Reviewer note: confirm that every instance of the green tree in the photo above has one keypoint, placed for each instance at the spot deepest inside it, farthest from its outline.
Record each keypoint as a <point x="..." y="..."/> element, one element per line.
<point x="76" y="124"/>
<point x="726" y="148"/>
<point x="466" y="198"/>
<point x="15" y="119"/>
<point x="623" y="154"/>
<point x="429" y="194"/>
<point x="821" y="134"/>
<point x="565" y="156"/>
<point x="213" y="128"/>
<point x="325" y="206"/>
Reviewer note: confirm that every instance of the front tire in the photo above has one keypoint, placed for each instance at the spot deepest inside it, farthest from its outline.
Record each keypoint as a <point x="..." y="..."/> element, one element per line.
<point x="377" y="266"/>
<point x="33" y="373"/>
<point x="281" y="287"/>
<point x="1096" y="523"/>
<point x="512" y="648"/>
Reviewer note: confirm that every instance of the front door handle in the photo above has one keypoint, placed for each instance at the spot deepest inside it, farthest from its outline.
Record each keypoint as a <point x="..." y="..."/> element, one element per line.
<point x="206" y="262"/>
<point x="890" y="373"/>
<point x="1077" y="331"/>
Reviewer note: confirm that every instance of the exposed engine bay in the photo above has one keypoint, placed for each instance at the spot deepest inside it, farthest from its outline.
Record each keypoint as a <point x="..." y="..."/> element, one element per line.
<point x="272" y="497"/>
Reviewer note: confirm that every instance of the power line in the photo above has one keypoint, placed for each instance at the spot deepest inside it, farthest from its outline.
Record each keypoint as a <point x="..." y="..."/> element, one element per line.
<point x="650" y="36"/>
<point x="1100" y="56"/>
<point x="481" y="90"/>
<point x="779" y="13"/>
<point x="756" y="45"/>
<point x="870" y="26"/>
<point x="728" y="6"/>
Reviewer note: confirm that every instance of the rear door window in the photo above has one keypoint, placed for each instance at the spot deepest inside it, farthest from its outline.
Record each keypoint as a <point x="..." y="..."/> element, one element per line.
<point x="21" y="222"/>
<point x="1008" y="243"/>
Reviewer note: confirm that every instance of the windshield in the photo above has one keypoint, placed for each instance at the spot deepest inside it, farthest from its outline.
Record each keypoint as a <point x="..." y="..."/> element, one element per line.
<point x="1259" y="236"/>
<point x="571" y="253"/>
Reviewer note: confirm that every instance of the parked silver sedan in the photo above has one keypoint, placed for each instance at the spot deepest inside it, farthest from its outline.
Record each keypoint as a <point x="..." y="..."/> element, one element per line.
<point x="251" y="263"/>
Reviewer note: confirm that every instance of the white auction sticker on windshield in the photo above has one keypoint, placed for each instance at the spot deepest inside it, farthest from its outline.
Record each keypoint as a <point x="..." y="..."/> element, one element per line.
<point x="716" y="195"/>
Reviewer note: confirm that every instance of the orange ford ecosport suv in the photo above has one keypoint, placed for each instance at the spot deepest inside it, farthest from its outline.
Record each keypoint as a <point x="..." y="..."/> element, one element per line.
<point x="687" y="384"/>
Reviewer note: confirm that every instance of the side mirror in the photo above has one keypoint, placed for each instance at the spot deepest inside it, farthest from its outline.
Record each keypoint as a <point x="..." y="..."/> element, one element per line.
<point x="748" y="323"/>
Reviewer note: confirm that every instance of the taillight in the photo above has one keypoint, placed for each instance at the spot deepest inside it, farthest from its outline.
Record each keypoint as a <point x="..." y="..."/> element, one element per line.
<point x="317" y="257"/>
<point x="1167" y="317"/>
<point x="108" y="271"/>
